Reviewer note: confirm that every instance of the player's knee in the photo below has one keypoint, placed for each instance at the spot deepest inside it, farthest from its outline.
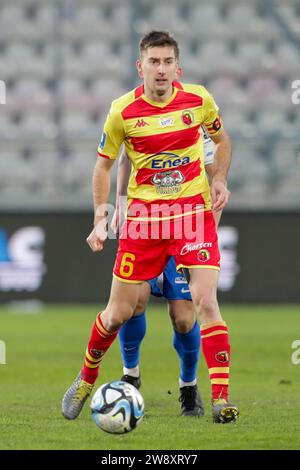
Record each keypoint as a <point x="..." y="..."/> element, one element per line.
<point x="182" y="325"/>
<point x="117" y="315"/>
<point x="140" y="307"/>
<point x="183" y="315"/>
<point x="207" y="306"/>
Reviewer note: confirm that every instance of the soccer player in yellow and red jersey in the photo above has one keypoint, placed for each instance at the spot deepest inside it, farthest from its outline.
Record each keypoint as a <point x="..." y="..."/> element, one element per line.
<point x="169" y="210"/>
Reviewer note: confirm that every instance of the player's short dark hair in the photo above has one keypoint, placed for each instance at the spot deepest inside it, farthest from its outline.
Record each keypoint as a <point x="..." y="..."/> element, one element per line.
<point x="158" y="39"/>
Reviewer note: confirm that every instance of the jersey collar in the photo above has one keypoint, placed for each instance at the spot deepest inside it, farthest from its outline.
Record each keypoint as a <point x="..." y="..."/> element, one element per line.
<point x="158" y="103"/>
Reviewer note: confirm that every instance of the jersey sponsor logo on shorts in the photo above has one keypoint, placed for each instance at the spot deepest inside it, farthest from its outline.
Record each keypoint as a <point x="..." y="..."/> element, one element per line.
<point x="166" y="122"/>
<point x="168" y="182"/>
<point x="141" y="123"/>
<point x="222" y="356"/>
<point x="168" y="160"/>
<point x="203" y="255"/>
<point x="198" y="246"/>
<point x="102" y="141"/>
<point x="187" y="117"/>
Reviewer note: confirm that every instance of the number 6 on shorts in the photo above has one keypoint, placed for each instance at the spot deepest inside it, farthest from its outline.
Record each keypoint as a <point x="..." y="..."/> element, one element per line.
<point x="126" y="268"/>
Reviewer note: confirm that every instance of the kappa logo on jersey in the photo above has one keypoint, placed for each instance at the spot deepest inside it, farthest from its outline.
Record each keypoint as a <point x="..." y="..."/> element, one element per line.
<point x="168" y="182"/>
<point x="141" y="123"/>
<point x="222" y="356"/>
<point x="203" y="255"/>
<point x="172" y="160"/>
<point x="187" y="117"/>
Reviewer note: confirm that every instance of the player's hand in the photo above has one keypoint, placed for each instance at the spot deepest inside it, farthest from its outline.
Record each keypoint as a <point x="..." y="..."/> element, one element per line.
<point x="219" y="195"/>
<point x="98" y="235"/>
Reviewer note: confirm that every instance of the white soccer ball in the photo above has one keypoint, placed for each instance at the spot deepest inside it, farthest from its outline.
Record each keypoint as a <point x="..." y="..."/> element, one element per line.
<point x="117" y="407"/>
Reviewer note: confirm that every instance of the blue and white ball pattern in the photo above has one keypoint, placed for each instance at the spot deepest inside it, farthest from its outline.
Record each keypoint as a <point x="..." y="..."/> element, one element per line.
<point x="117" y="407"/>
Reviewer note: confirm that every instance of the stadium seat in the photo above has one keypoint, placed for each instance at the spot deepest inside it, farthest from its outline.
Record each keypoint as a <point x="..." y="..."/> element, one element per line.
<point x="88" y="20"/>
<point x="245" y="21"/>
<point x="265" y="91"/>
<point x="227" y="91"/>
<point x="104" y="91"/>
<point x="16" y="170"/>
<point x="8" y="128"/>
<point x="167" y="17"/>
<point x="203" y="18"/>
<point x="120" y="21"/>
<point x="285" y="157"/>
<point x="30" y="93"/>
<point x="38" y="124"/>
<point x="77" y="124"/>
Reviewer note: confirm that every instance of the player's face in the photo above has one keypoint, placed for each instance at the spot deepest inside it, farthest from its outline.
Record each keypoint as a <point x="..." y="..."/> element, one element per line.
<point x="158" y="67"/>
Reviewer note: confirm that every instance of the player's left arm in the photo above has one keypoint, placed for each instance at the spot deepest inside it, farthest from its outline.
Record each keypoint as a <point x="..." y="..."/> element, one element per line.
<point x="123" y="174"/>
<point x="220" y="168"/>
<point x="209" y="172"/>
<point x="222" y="157"/>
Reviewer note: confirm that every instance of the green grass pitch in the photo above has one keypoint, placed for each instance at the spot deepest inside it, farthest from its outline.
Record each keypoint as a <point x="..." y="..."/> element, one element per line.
<point x="44" y="352"/>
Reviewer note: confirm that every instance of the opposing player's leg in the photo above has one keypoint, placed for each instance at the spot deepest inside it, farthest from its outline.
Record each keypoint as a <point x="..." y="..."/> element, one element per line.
<point x="186" y="341"/>
<point x="215" y="344"/>
<point x="131" y="335"/>
<point x="121" y="305"/>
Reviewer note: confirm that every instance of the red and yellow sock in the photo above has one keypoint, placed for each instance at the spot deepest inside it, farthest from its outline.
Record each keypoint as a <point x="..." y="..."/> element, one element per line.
<point x="100" y="341"/>
<point x="216" y="350"/>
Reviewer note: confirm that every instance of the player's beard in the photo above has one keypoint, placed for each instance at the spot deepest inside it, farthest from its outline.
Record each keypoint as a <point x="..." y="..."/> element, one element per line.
<point x="164" y="88"/>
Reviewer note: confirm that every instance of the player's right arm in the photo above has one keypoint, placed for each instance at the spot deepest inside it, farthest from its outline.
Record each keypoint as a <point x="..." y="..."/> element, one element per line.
<point x="101" y="189"/>
<point x="124" y="169"/>
<point x="112" y="138"/>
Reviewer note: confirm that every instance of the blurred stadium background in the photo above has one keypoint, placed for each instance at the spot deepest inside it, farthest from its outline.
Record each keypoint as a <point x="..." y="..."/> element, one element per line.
<point x="63" y="62"/>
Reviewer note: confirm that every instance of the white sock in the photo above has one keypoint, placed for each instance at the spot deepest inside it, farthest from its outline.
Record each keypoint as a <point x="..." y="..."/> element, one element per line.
<point x="186" y="384"/>
<point x="134" y="372"/>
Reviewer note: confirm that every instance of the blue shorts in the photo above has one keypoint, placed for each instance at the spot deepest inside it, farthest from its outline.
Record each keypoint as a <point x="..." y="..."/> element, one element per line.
<point x="170" y="284"/>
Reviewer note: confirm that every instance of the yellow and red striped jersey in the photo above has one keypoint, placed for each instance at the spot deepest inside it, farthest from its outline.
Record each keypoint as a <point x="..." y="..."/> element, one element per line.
<point x="163" y="142"/>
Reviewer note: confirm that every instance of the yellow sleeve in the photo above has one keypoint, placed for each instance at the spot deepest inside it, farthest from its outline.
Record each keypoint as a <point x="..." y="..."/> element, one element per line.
<point x="212" y="119"/>
<point x="113" y="134"/>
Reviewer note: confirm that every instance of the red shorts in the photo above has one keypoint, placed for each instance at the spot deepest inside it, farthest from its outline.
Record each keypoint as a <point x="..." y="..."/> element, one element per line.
<point x="145" y="248"/>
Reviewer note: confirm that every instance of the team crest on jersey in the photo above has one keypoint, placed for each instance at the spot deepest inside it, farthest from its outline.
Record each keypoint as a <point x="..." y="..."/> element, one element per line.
<point x="187" y="117"/>
<point x="168" y="182"/>
<point x="203" y="255"/>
